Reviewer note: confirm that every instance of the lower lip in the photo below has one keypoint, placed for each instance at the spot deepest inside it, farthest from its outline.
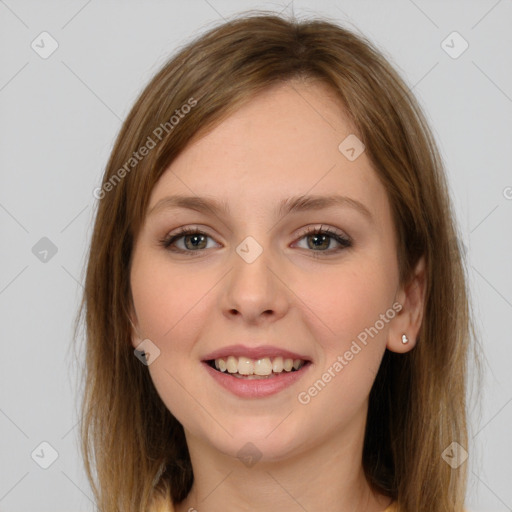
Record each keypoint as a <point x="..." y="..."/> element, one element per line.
<point x="256" y="388"/>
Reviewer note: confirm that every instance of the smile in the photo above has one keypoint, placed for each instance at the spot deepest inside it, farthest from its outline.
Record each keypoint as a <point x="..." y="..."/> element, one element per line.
<point x="251" y="384"/>
<point x="256" y="368"/>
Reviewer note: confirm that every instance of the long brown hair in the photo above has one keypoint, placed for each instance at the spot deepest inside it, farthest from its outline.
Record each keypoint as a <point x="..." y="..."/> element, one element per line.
<point x="134" y="449"/>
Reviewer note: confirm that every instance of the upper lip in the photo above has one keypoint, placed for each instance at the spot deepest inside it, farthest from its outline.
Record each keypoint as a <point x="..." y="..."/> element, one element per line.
<point x="254" y="353"/>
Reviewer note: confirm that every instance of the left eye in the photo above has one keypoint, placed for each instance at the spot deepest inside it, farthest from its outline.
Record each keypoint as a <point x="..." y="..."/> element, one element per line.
<point x="321" y="239"/>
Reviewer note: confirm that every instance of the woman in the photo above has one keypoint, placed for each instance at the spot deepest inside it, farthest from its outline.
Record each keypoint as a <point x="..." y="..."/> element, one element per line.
<point x="276" y="307"/>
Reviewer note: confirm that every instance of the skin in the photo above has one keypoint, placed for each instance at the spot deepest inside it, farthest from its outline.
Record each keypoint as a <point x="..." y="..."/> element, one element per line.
<point x="282" y="143"/>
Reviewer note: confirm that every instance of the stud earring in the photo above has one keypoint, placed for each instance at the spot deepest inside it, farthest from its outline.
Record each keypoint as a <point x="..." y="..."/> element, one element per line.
<point x="405" y="339"/>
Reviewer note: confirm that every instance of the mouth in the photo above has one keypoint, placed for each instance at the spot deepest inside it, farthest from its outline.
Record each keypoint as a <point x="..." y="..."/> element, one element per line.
<point x="256" y="372"/>
<point x="256" y="369"/>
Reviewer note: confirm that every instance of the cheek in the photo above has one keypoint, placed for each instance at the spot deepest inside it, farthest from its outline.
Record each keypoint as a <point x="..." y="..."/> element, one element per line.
<point x="348" y="325"/>
<point x="165" y="297"/>
<point x="169" y="309"/>
<point x="343" y="303"/>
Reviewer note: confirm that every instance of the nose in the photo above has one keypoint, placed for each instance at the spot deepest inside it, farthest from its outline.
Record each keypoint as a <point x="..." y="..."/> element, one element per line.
<point x="255" y="290"/>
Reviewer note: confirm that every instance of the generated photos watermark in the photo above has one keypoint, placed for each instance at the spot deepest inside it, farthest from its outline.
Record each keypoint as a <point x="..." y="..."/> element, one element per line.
<point x="159" y="133"/>
<point x="304" y="397"/>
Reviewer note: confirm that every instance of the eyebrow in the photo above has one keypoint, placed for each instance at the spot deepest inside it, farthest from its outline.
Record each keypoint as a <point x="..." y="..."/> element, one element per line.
<point x="290" y="205"/>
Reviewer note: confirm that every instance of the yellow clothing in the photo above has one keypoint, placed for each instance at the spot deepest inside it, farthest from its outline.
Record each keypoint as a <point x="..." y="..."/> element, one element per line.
<point x="170" y="508"/>
<point x="392" y="508"/>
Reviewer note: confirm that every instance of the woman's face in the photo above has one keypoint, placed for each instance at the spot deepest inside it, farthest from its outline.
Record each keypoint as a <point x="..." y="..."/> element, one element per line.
<point x="257" y="280"/>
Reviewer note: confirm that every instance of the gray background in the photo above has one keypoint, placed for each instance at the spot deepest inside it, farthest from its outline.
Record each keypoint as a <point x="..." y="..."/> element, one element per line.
<point x="59" y="117"/>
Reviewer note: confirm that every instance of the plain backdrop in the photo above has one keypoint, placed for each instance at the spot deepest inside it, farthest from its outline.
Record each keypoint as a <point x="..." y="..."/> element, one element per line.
<point x="60" y="113"/>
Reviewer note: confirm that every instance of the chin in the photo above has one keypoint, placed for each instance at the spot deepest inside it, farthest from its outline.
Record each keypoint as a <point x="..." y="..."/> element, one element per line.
<point x="258" y="440"/>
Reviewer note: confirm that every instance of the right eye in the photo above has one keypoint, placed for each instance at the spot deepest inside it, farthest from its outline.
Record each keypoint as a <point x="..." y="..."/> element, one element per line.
<point x="195" y="236"/>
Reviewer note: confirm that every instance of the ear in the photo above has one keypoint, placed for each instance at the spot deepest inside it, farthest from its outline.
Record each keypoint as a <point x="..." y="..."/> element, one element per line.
<point x="408" y="320"/>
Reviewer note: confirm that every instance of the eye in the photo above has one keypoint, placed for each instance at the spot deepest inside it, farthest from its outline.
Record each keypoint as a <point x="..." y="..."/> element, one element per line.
<point x="195" y="240"/>
<point x="195" y="236"/>
<point x="322" y="238"/>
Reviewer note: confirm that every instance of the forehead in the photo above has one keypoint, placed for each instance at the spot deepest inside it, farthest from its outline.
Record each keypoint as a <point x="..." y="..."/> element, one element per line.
<point x="283" y="142"/>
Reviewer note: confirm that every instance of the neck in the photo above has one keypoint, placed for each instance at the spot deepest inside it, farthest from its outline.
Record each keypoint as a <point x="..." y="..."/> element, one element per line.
<point x="327" y="475"/>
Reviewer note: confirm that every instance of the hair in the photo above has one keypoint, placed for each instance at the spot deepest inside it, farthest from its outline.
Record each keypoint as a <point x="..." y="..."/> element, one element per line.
<point x="417" y="405"/>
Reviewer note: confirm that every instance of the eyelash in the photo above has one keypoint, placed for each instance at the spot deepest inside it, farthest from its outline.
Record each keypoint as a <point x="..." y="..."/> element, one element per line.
<point x="344" y="241"/>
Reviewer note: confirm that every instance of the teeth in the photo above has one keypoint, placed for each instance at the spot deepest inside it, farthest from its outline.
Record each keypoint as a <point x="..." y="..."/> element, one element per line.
<point x="231" y="364"/>
<point x="245" y="366"/>
<point x="264" y="367"/>
<point x="277" y="364"/>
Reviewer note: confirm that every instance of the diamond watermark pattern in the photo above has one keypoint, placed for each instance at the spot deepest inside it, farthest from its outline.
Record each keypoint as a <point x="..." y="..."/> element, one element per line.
<point x="44" y="250"/>
<point x="249" y="250"/>
<point x="454" y="45"/>
<point x="351" y="147"/>
<point x="455" y="455"/>
<point x="146" y="352"/>
<point x="249" y="454"/>
<point x="44" y="455"/>
<point x="44" y="45"/>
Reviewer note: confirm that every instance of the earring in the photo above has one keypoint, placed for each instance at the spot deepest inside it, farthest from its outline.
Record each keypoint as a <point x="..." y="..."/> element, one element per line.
<point x="405" y="339"/>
